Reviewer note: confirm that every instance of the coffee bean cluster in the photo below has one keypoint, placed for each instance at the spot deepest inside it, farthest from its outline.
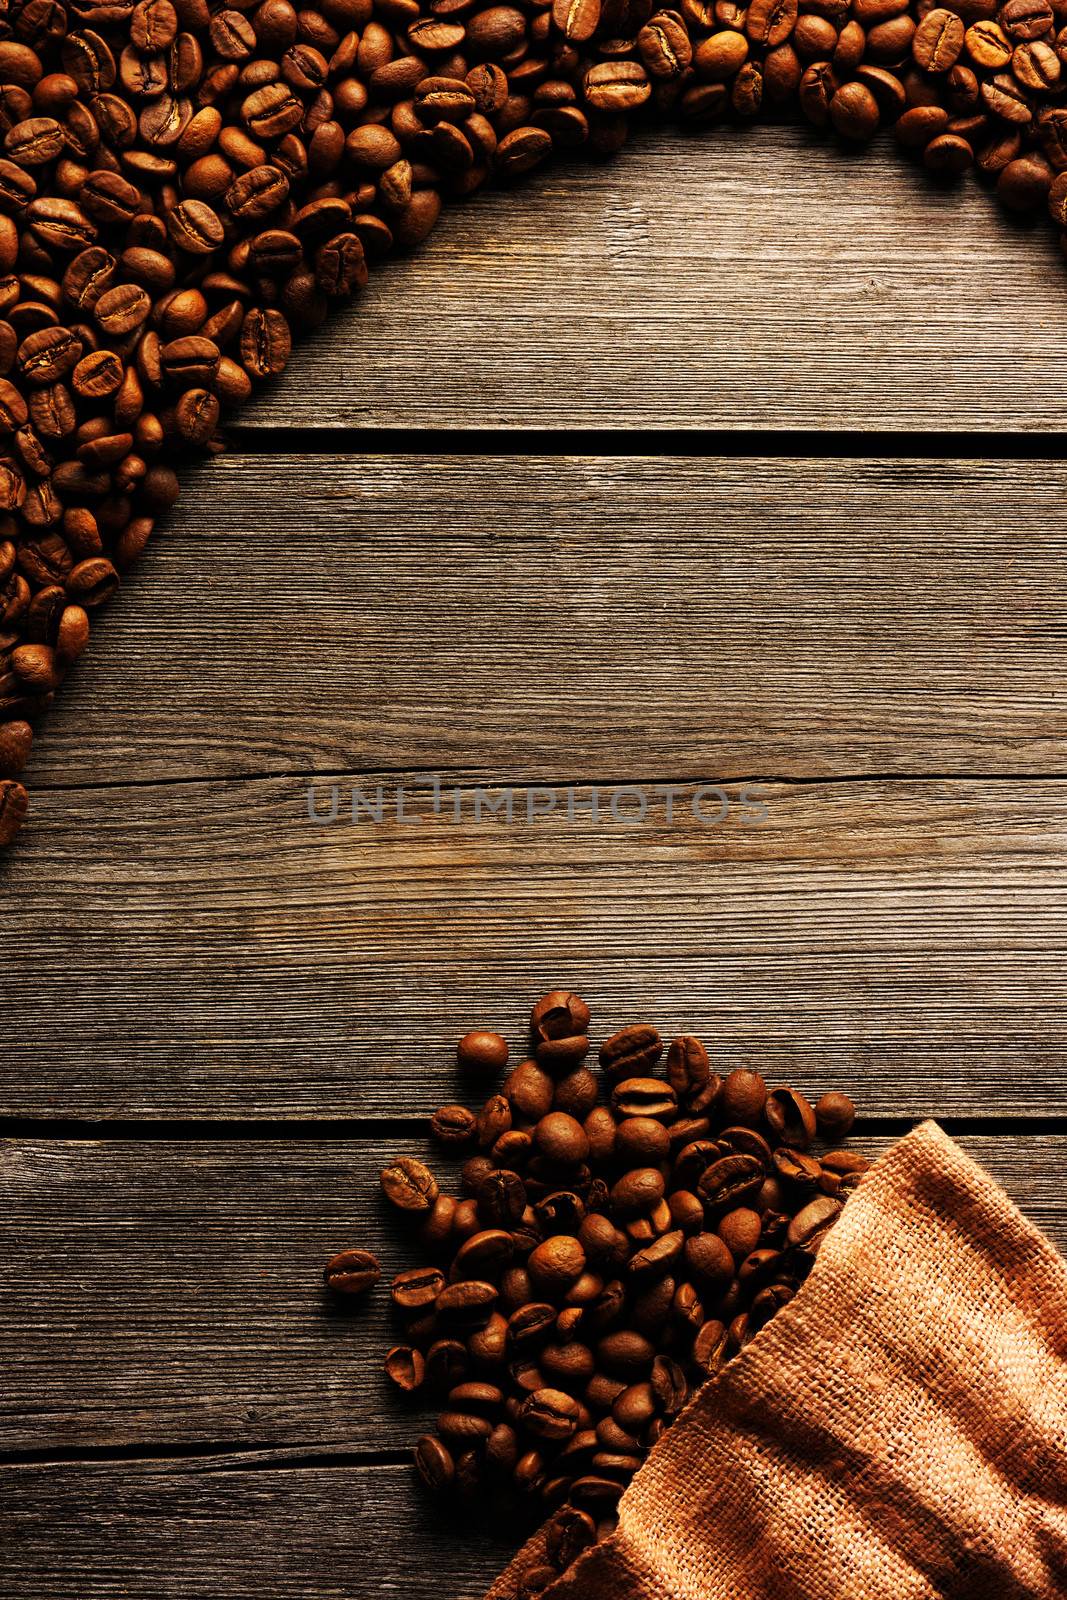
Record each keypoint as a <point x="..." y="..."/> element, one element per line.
<point x="185" y="184"/>
<point x="617" y="1236"/>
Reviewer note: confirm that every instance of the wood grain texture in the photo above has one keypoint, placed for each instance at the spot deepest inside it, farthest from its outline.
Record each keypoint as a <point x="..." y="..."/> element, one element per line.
<point x="757" y="278"/>
<point x="162" y="1295"/>
<point x="220" y="1530"/>
<point x="205" y="949"/>
<point x="556" y="620"/>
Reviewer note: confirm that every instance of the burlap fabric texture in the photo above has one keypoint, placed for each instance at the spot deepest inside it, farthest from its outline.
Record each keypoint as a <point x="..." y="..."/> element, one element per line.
<point x="898" y="1432"/>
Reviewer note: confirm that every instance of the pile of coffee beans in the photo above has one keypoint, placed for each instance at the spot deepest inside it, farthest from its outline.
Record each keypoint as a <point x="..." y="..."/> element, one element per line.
<point x="615" y="1239"/>
<point x="184" y="185"/>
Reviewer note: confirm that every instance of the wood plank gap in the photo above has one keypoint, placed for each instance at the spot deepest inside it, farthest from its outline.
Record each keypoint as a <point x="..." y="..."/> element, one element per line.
<point x="784" y="443"/>
<point x="460" y="778"/>
<point x="235" y="1457"/>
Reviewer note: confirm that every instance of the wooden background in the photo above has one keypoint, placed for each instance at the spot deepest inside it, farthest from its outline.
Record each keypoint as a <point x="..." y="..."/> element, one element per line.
<point x="877" y="647"/>
<point x="744" y="278"/>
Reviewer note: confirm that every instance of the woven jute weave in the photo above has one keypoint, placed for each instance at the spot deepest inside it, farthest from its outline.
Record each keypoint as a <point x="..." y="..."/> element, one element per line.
<point x="898" y="1432"/>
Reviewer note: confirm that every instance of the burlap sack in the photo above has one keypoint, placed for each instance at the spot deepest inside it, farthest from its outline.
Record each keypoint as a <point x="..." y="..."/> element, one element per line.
<point x="898" y="1432"/>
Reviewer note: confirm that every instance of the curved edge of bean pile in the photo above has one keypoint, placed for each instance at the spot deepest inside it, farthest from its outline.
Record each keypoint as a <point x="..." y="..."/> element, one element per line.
<point x="616" y="1238"/>
<point x="184" y="186"/>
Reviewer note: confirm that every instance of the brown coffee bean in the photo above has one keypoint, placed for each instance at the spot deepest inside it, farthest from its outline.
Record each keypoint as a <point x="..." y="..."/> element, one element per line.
<point x="1024" y="183"/>
<point x="790" y="1118"/>
<point x="708" y="1259"/>
<point x="644" y="1097"/>
<point x="16" y="740"/>
<point x="352" y="1272"/>
<point x="1057" y="202"/>
<point x="854" y="111"/>
<point x="770" y="22"/>
<point x="835" y="1116"/>
<point x="417" y="1288"/>
<point x="615" y="86"/>
<point x="484" y="1254"/>
<point x="92" y="582"/>
<point x="810" y="1226"/>
<point x="1036" y="66"/>
<point x="409" y="1185"/>
<point x="468" y="1304"/>
<point x="948" y="155"/>
<point x="435" y="1464"/>
<point x="631" y="1053"/>
<point x="454" y="1125"/>
<point x="550" y="1414"/>
<point x="1026" y="19"/>
<point x="637" y="1191"/>
<point x="688" y="1066"/>
<point x="577" y="20"/>
<point x="197" y="415"/>
<point x="1006" y="98"/>
<point x="406" y="1367"/>
<point x="266" y="343"/>
<point x="556" y="1264"/>
<point x="744" y="1095"/>
<point x="718" y="57"/>
<point x="938" y="40"/>
<point x="730" y="1182"/>
<point x="481" y="1051"/>
<point x="561" y="1139"/>
<point x="919" y="125"/>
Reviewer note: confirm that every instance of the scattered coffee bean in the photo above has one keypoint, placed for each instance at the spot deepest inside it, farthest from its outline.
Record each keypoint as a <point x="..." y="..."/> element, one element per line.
<point x="352" y="1272"/>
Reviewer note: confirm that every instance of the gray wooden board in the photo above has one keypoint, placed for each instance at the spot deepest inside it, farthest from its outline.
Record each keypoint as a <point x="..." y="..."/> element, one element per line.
<point x="758" y="278"/>
<point x="206" y="950"/>
<point x="169" y="1294"/>
<point x="217" y="1530"/>
<point x="581" y="618"/>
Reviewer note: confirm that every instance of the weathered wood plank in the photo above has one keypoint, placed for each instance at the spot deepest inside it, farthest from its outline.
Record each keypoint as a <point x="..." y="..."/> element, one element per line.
<point x="205" y="949"/>
<point x="558" y="620"/>
<point x="163" y="1295"/>
<point x="204" y="1529"/>
<point x="746" y="279"/>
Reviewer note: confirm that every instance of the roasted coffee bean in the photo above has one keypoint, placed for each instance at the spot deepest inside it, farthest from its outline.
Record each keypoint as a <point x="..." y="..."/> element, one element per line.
<point x="688" y="1063"/>
<point x="484" y="1255"/>
<point x="453" y="1125"/>
<point x="561" y="1139"/>
<point x="417" y="1288"/>
<point x="435" y="1463"/>
<point x="502" y="1198"/>
<point x="796" y="1168"/>
<point x="352" y="1272"/>
<point x="529" y="1090"/>
<point x="642" y="1139"/>
<point x="744" y="1095"/>
<point x="550" y="1414"/>
<point x="409" y="1185"/>
<point x="493" y="1121"/>
<point x="938" y="40"/>
<point x="631" y="1053"/>
<point x="731" y="1181"/>
<point x="790" y="1118"/>
<point x="835" y="1115"/>
<point x="637" y="1192"/>
<point x="406" y="1367"/>
<point x="644" y="1097"/>
<point x="468" y="1304"/>
<point x="447" y="1363"/>
<point x="810" y="1226"/>
<point x="556" y="1264"/>
<point x="559" y="1023"/>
